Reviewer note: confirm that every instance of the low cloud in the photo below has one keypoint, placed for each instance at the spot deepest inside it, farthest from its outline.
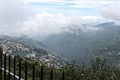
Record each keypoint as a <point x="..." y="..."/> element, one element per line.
<point x="46" y="23"/>
<point x="17" y="18"/>
<point x="111" y="12"/>
<point x="13" y="11"/>
<point x="12" y="14"/>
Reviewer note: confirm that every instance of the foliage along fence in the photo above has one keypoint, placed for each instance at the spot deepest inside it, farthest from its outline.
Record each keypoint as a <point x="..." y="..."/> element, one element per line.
<point x="9" y="70"/>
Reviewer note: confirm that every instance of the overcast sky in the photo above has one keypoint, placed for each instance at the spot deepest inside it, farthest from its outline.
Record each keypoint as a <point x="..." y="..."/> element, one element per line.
<point x="38" y="17"/>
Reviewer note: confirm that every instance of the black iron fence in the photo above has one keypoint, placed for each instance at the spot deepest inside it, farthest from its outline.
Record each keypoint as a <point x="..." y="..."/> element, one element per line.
<point x="9" y="70"/>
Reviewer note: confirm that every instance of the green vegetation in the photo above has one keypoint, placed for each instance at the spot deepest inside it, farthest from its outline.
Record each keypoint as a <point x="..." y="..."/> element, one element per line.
<point x="99" y="69"/>
<point x="83" y="45"/>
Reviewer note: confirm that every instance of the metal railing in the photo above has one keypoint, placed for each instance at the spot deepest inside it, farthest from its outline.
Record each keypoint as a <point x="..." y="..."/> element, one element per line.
<point x="7" y="74"/>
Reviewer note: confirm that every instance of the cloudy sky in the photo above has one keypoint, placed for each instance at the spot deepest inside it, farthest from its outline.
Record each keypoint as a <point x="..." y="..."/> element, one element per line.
<point x="38" y="17"/>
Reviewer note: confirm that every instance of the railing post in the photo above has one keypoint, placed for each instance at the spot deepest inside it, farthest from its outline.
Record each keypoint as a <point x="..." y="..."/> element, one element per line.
<point x="4" y="66"/>
<point x="26" y="70"/>
<point x="51" y="74"/>
<point x="63" y="76"/>
<point x="14" y="67"/>
<point x="1" y="53"/>
<point x="41" y="76"/>
<point x="33" y="75"/>
<point x="9" y="67"/>
<point x="19" y="69"/>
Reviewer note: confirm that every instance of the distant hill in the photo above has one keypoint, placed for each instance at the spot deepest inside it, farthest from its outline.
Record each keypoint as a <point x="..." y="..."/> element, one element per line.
<point x="27" y="47"/>
<point x="82" y="46"/>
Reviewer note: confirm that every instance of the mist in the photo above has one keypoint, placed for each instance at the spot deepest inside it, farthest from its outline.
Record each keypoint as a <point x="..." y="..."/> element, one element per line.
<point x="18" y="17"/>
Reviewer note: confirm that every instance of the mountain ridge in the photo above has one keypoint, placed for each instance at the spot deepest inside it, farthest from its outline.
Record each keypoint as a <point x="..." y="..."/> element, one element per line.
<point x="27" y="47"/>
<point x="87" y="45"/>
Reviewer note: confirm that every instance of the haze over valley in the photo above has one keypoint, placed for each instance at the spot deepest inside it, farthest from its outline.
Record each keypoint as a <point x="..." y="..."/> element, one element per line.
<point x="60" y="39"/>
<point x="73" y="30"/>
